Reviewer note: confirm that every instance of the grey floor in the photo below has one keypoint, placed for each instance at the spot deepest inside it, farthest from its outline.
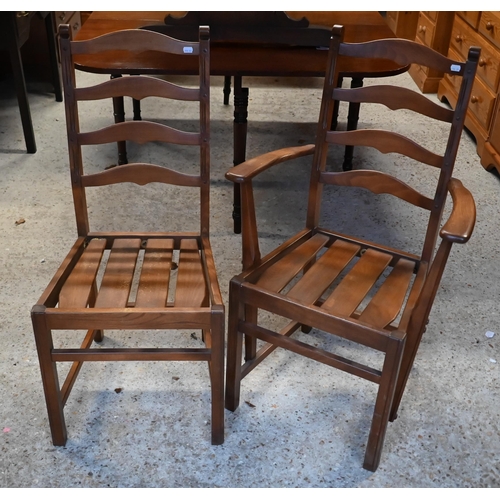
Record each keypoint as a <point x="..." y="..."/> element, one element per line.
<point x="300" y="424"/>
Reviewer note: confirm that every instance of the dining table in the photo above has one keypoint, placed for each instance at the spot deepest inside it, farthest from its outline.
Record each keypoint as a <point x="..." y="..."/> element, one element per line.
<point x="243" y="44"/>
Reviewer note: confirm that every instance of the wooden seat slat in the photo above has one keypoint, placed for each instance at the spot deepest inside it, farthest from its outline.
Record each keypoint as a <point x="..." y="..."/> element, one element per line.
<point x="191" y="289"/>
<point x="155" y="274"/>
<point x="76" y="290"/>
<point x="278" y="275"/>
<point x="387" y="302"/>
<point x="357" y="283"/>
<point x="119" y="273"/>
<point x="323" y="272"/>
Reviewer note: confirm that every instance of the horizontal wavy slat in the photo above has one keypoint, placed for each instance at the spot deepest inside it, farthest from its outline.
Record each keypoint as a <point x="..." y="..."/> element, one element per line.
<point x="386" y="142"/>
<point x="378" y="183"/>
<point x="139" y="132"/>
<point x="395" y="98"/>
<point x="140" y="173"/>
<point x="137" y="87"/>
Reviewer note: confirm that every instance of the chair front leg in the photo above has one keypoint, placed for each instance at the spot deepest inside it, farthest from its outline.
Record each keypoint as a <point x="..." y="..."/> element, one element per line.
<point x="50" y="379"/>
<point x="217" y="376"/>
<point x="250" y="342"/>
<point x="384" y="400"/>
<point x="234" y="349"/>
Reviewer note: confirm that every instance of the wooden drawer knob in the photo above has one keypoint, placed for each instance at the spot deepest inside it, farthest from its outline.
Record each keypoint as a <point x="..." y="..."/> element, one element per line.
<point x="482" y="62"/>
<point x="474" y="99"/>
<point x="422" y="29"/>
<point x="489" y="25"/>
<point x="459" y="38"/>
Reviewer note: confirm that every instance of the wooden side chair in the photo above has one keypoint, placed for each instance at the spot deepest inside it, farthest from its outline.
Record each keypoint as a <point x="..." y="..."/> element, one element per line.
<point x="368" y="293"/>
<point x="141" y="280"/>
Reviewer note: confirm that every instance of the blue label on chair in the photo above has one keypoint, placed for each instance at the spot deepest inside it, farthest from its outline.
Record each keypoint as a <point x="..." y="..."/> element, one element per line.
<point x="187" y="50"/>
<point x="456" y="67"/>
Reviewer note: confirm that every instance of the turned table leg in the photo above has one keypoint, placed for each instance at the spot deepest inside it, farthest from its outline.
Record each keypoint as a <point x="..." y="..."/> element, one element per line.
<point x="239" y="143"/>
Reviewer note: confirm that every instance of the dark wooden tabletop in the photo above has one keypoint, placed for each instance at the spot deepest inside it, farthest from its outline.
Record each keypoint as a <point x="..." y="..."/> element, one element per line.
<point x="239" y="59"/>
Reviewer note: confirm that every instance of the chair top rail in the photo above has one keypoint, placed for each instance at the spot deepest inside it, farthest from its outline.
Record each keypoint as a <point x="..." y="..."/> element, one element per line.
<point x="403" y="52"/>
<point x="395" y="98"/>
<point x="135" y="40"/>
<point x="386" y="142"/>
<point x="137" y="87"/>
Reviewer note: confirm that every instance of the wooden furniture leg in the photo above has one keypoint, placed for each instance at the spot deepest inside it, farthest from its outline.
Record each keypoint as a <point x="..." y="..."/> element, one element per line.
<point x="119" y="114"/>
<point x="50" y="380"/>
<point x="227" y="89"/>
<point x="335" y="114"/>
<point x="20" y="83"/>
<point x="136" y="105"/>
<point x="352" y="124"/>
<point x="239" y="142"/>
<point x="50" y="28"/>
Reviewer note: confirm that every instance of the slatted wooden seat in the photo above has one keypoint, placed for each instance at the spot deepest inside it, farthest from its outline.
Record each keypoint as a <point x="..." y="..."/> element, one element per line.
<point x="368" y="292"/>
<point x="128" y="280"/>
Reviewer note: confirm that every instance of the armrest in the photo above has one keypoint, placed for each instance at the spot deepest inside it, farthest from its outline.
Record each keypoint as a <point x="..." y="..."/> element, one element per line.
<point x="250" y="168"/>
<point x="458" y="228"/>
<point x="243" y="174"/>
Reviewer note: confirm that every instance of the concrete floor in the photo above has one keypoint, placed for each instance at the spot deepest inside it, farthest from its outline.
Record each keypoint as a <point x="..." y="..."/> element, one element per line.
<point x="300" y="424"/>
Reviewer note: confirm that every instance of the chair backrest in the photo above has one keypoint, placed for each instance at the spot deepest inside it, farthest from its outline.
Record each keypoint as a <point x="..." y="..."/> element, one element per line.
<point x="403" y="52"/>
<point x="141" y="131"/>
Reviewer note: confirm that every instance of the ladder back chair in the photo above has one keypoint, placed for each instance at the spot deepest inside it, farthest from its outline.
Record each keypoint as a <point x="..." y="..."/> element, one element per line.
<point x="367" y="292"/>
<point x="133" y="280"/>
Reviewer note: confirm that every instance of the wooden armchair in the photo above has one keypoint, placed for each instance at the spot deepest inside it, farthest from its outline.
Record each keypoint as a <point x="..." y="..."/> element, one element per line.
<point x="133" y="280"/>
<point x="367" y="292"/>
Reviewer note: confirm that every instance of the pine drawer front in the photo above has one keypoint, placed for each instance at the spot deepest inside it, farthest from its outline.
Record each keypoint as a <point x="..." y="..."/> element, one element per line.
<point x="489" y="27"/>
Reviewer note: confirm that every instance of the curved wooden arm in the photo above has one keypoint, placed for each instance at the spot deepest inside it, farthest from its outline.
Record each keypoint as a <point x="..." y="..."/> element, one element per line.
<point x="250" y="168"/>
<point x="459" y="226"/>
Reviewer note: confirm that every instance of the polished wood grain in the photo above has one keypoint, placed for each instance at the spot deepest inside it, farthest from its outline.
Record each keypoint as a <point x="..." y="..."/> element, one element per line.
<point x="191" y="287"/>
<point x="379" y="183"/>
<point x="368" y="292"/>
<point x="386" y="142"/>
<point x="323" y="272"/>
<point x="155" y="276"/>
<point x="75" y="292"/>
<point x="240" y="59"/>
<point x="120" y="280"/>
